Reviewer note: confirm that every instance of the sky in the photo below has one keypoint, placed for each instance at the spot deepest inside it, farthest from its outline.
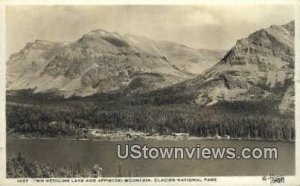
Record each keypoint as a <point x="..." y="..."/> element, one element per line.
<point x="201" y="26"/>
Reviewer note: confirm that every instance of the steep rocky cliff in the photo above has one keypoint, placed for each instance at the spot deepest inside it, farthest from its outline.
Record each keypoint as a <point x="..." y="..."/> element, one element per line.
<point x="258" y="67"/>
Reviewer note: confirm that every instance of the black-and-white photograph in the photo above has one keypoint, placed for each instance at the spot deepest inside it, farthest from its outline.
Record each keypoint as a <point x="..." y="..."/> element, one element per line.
<point x="150" y="90"/>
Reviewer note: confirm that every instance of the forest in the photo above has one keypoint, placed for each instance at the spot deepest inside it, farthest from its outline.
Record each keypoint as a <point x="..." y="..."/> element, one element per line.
<point x="18" y="167"/>
<point x="72" y="118"/>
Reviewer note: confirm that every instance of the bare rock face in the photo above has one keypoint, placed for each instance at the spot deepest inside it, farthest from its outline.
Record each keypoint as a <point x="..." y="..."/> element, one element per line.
<point x="101" y="61"/>
<point x="287" y="104"/>
<point x="255" y="67"/>
<point x="258" y="67"/>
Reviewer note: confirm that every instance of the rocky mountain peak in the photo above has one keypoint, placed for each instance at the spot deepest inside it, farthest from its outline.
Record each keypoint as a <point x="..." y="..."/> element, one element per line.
<point x="102" y="33"/>
<point x="290" y="27"/>
<point x="273" y="42"/>
<point x="102" y="61"/>
<point x="102" y="38"/>
<point x="257" y="68"/>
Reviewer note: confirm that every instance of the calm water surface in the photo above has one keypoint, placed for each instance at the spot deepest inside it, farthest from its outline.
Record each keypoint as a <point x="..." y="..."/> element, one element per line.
<point x="64" y="152"/>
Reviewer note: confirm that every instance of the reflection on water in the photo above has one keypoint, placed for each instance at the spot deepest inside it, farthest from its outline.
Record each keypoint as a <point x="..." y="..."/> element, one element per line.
<point x="62" y="152"/>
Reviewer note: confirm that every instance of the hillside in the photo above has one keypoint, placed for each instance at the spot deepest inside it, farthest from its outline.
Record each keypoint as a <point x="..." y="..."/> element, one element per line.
<point x="259" y="67"/>
<point x="104" y="62"/>
<point x="248" y="94"/>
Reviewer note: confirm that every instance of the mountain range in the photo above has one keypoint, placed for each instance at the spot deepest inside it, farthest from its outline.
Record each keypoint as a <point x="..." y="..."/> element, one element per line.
<point x="107" y="81"/>
<point x="258" y="67"/>
<point x="105" y="62"/>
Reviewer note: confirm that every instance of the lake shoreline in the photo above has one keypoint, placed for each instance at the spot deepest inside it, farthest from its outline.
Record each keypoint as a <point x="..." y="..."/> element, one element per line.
<point x="116" y="137"/>
<point x="71" y="152"/>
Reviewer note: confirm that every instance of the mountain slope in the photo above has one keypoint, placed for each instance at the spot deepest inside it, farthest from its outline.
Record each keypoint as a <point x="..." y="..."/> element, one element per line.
<point x="187" y="59"/>
<point x="259" y="67"/>
<point x="249" y="94"/>
<point x="100" y="61"/>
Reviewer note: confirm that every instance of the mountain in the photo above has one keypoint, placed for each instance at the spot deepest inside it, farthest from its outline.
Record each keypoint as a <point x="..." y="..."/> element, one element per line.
<point x="104" y="62"/>
<point x="139" y="84"/>
<point x="259" y="67"/>
<point x="187" y="59"/>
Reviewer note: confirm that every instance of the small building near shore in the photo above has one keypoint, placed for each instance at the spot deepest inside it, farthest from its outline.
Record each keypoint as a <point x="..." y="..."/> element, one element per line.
<point x="180" y="134"/>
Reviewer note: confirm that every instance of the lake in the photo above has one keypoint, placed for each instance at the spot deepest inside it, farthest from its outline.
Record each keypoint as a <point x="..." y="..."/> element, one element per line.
<point x="65" y="152"/>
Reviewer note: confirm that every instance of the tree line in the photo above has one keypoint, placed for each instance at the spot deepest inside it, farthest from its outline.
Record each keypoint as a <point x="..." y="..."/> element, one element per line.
<point x="39" y="121"/>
